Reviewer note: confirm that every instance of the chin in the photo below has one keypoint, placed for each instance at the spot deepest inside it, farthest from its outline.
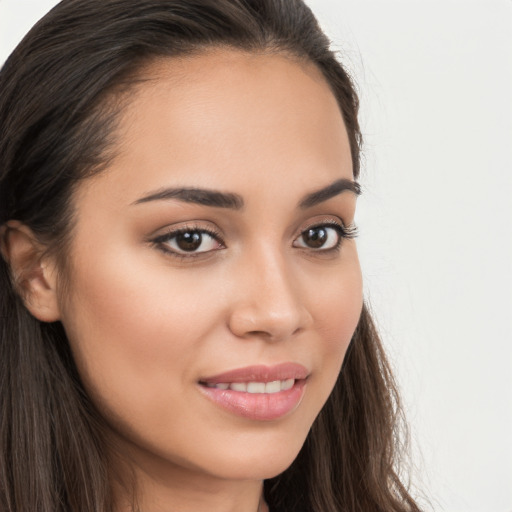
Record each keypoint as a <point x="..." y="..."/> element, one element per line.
<point x="264" y="458"/>
<point x="257" y="468"/>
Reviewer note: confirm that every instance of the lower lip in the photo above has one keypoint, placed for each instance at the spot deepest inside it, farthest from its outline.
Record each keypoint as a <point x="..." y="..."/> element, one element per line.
<point x="258" y="406"/>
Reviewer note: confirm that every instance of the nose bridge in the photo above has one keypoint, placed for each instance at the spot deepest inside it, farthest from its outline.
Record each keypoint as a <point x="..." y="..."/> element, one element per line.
<point x="269" y="301"/>
<point x="273" y="279"/>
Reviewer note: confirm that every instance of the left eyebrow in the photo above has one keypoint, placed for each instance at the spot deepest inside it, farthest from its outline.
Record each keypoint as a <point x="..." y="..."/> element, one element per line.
<point x="332" y="190"/>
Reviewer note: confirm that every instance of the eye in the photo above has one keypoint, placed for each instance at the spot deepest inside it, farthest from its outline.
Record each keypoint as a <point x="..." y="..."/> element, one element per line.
<point x="189" y="242"/>
<point x="324" y="237"/>
<point x="319" y="237"/>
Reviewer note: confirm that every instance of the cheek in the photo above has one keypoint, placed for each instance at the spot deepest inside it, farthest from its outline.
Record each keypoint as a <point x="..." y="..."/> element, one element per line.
<point x="337" y="312"/>
<point x="340" y="299"/>
<point x="132" y="329"/>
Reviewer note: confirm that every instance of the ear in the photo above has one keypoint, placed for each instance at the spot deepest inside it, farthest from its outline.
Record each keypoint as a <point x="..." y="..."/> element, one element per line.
<point x="35" y="277"/>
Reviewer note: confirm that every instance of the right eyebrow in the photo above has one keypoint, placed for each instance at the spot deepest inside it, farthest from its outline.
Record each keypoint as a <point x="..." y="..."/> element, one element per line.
<point x="195" y="195"/>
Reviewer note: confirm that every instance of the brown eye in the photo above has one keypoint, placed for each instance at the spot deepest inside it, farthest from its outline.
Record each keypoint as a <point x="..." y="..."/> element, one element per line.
<point x="319" y="237"/>
<point x="315" y="237"/>
<point x="189" y="241"/>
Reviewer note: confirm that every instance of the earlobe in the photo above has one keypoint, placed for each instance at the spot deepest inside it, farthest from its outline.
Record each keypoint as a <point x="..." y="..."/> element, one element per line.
<point x="34" y="275"/>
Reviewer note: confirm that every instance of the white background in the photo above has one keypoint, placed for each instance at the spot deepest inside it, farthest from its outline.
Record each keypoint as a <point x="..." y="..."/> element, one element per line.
<point x="435" y="82"/>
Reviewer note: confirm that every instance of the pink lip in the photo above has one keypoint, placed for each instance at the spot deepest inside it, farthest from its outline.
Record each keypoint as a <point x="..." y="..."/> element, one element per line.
<point x="258" y="406"/>
<point x="260" y="373"/>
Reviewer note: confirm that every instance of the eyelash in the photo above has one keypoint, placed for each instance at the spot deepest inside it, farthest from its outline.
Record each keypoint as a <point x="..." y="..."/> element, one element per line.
<point x="162" y="241"/>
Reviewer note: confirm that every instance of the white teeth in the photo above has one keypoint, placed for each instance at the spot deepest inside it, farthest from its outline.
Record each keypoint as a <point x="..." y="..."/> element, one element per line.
<point x="273" y="387"/>
<point x="287" y="384"/>
<point x="238" y="386"/>
<point x="256" y="387"/>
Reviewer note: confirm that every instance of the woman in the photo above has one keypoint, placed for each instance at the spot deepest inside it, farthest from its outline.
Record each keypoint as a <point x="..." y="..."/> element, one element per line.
<point x="183" y="323"/>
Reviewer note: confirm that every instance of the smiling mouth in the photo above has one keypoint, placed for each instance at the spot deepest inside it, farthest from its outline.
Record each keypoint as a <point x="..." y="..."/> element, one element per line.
<point x="257" y="401"/>
<point x="261" y="393"/>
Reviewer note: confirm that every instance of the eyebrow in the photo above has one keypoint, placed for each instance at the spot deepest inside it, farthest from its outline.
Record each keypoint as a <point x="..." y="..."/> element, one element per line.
<point x="201" y="196"/>
<point x="233" y="201"/>
<point x="332" y="190"/>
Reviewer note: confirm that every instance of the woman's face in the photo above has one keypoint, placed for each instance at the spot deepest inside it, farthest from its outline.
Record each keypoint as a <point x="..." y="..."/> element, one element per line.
<point x="213" y="284"/>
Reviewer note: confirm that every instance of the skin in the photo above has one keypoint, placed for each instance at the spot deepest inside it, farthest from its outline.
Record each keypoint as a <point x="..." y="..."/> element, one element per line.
<point x="145" y="325"/>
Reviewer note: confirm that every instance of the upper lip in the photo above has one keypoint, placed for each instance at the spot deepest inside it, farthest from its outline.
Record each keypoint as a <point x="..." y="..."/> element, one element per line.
<point x="260" y="373"/>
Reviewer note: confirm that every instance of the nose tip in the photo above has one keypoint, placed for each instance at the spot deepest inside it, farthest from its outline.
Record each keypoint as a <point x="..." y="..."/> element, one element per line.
<point x="269" y="308"/>
<point x="271" y="324"/>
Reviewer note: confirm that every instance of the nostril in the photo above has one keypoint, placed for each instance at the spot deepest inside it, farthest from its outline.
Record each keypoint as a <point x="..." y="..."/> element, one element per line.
<point x="259" y="333"/>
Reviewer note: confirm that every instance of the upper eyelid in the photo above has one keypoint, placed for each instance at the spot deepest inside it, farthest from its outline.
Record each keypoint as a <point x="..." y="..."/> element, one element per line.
<point x="348" y="228"/>
<point x="174" y="230"/>
<point x="322" y="222"/>
<point x="166" y="237"/>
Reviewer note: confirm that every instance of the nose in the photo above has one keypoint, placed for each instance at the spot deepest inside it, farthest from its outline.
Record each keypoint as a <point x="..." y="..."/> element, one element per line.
<point x="268" y="303"/>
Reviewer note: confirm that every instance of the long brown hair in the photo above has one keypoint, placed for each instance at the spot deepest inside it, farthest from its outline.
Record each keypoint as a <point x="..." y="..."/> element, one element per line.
<point x="58" y="109"/>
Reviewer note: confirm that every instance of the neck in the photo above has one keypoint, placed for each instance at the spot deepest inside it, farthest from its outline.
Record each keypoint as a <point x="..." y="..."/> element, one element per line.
<point x="144" y="482"/>
<point x="188" y="492"/>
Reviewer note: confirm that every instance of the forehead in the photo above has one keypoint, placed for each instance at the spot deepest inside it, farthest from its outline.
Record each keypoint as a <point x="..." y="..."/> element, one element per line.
<point x="225" y="118"/>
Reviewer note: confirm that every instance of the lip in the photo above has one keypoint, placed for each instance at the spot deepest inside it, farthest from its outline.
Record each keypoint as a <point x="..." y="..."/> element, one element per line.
<point x="260" y="373"/>
<point x="258" y="406"/>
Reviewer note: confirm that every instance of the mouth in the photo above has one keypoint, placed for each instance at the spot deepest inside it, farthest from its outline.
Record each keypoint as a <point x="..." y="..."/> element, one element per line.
<point x="275" y="386"/>
<point x="258" y="393"/>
